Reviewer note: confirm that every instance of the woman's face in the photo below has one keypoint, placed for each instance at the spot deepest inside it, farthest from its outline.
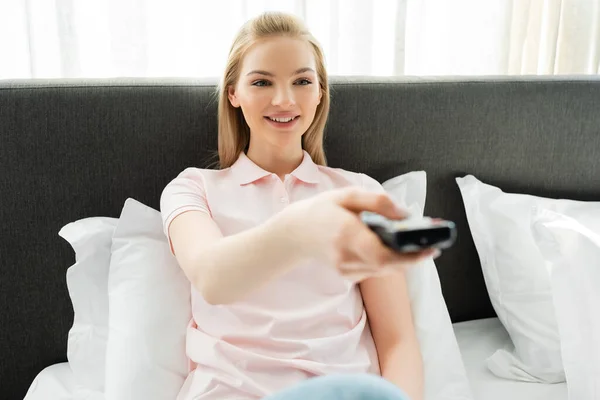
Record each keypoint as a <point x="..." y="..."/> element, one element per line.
<point x="277" y="90"/>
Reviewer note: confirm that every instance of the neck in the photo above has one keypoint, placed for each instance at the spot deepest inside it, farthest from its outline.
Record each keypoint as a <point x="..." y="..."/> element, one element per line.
<point x="280" y="161"/>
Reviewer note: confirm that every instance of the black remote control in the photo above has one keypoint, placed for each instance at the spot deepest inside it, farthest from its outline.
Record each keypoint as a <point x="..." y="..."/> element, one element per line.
<point x="412" y="234"/>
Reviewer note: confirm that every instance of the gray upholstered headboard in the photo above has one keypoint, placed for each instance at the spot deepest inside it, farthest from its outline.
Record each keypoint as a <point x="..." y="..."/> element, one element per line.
<point x="70" y="150"/>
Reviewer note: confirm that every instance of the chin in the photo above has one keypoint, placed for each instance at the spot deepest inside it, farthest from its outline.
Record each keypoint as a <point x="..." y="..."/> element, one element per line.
<point x="285" y="139"/>
<point x="289" y="139"/>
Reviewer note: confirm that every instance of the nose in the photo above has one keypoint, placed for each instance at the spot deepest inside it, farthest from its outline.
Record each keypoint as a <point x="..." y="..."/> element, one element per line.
<point x="284" y="97"/>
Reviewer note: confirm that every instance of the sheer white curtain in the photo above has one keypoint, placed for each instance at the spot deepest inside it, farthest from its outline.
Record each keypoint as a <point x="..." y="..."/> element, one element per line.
<point x="472" y="37"/>
<point x="190" y="38"/>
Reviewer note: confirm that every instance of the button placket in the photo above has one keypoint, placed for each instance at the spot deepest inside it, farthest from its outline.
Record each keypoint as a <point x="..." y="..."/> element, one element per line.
<point x="284" y="197"/>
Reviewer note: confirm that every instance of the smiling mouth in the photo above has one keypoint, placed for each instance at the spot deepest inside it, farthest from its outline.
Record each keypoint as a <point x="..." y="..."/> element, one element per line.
<point x="283" y="120"/>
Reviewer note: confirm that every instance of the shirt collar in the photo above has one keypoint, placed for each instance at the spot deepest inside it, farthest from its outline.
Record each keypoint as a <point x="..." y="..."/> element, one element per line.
<point x="246" y="171"/>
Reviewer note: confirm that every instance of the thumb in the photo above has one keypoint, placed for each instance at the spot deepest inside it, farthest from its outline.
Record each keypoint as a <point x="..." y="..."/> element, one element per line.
<point x="358" y="200"/>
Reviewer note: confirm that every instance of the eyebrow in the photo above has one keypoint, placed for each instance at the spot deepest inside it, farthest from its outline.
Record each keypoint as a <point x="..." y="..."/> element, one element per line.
<point x="267" y="73"/>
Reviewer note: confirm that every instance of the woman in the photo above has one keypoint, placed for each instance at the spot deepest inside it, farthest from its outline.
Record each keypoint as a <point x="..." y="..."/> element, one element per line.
<point x="284" y="274"/>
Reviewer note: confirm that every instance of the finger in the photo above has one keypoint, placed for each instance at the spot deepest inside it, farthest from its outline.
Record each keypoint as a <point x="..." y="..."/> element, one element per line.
<point x="408" y="259"/>
<point x="372" y="250"/>
<point x="357" y="268"/>
<point x="359" y="200"/>
<point x="352" y="262"/>
<point x="357" y="271"/>
<point x="387" y="271"/>
<point x="366" y="246"/>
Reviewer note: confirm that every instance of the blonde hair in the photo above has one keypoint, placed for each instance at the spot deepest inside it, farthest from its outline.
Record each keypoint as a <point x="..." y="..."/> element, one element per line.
<point x="234" y="133"/>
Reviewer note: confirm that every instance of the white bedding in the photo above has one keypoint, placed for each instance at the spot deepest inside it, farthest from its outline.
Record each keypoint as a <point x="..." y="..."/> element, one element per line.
<point x="53" y="383"/>
<point x="477" y="341"/>
<point x="57" y="382"/>
<point x="480" y="339"/>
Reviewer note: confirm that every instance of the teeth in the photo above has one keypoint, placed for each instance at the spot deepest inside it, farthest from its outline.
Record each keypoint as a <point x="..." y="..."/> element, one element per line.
<point x="281" y="119"/>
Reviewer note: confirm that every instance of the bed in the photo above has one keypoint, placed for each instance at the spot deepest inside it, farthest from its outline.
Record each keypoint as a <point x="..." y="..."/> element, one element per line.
<point x="477" y="340"/>
<point x="79" y="148"/>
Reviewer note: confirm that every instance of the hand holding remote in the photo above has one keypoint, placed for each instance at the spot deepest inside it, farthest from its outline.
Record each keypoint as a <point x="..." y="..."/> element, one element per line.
<point x="328" y="227"/>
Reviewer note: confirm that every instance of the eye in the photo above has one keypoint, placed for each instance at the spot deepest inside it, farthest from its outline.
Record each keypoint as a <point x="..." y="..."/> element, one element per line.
<point x="261" y="82"/>
<point x="303" y="82"/>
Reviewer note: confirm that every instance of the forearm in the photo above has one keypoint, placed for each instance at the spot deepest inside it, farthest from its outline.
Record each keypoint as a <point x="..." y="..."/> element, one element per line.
<point x="402" y="365"/>
<point x="238" y="264"/>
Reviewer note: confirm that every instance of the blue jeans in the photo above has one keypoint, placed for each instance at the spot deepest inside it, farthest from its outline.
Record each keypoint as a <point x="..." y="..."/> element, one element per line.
<point x="342" y="387"/>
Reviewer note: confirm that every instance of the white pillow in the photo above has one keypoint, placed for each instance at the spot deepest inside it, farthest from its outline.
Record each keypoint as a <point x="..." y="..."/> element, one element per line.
<point x="571" y="248"/>
<point x="516" y="279"/>
<point x="55" y="382"/>
<point x="444" y="372"/>
<point x="87" y="282"/>
<point x="150" y="308"/>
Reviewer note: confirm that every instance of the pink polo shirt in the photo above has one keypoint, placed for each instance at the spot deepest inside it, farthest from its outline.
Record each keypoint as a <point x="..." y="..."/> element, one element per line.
<point x="305" y="323"/>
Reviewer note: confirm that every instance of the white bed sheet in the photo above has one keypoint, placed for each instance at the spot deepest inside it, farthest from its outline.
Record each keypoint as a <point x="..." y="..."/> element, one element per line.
<point x="480" y="339"/>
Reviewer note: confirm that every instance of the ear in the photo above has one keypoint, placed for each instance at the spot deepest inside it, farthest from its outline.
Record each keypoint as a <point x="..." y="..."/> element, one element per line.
<point x="320" y="95"/>
<point x="232" y="97"/>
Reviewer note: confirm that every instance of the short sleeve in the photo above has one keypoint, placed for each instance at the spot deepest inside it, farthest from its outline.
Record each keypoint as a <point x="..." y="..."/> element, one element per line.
<point x="371" y="184"/>
<point x="184" y="193"/>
